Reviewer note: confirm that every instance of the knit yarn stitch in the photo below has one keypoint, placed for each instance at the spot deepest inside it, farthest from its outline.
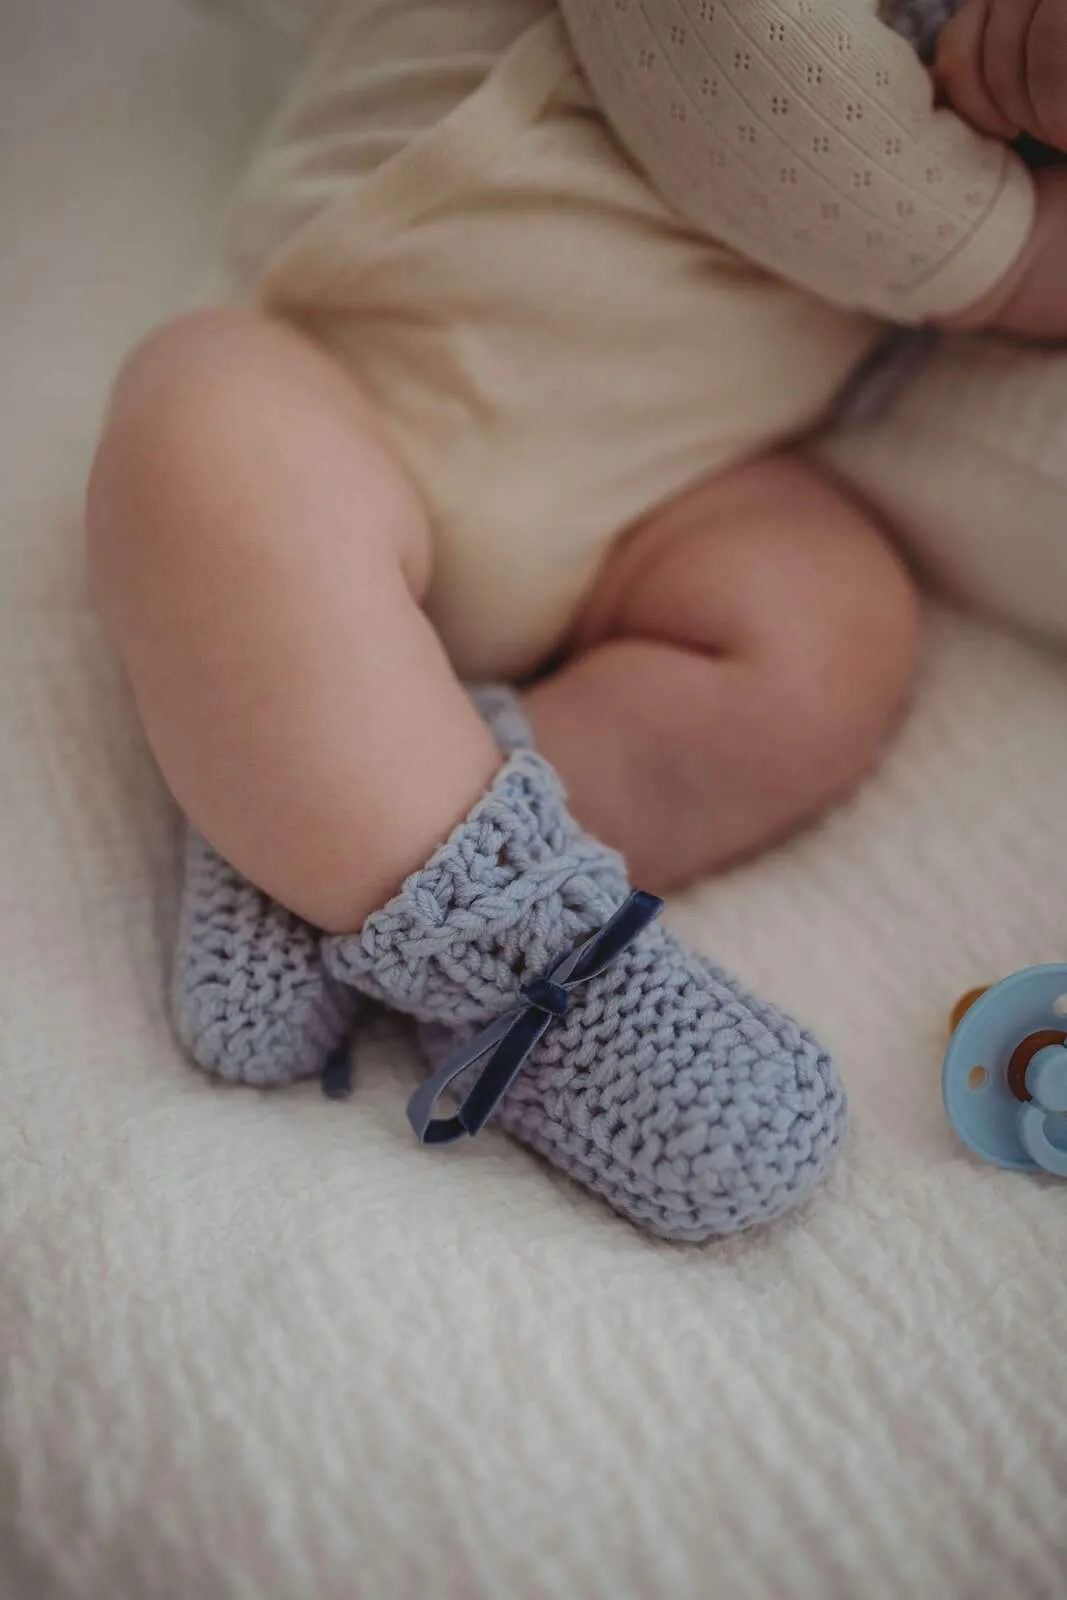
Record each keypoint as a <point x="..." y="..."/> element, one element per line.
<point x="252" y="1000"/>
<point x="692" y="1108"/>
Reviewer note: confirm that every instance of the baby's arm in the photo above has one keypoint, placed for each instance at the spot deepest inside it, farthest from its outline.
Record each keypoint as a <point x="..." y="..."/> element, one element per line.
<point x="804" y="134"/>
<point x="1031" y="300"/>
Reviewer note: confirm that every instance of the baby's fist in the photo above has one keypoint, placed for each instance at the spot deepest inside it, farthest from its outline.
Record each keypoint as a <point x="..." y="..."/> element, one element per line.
<point x="1002" y="64"/>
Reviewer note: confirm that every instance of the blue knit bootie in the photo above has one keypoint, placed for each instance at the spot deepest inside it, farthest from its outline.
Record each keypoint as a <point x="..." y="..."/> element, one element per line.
<point x="252" y="1000"/>
<point x="626" y="1060"/>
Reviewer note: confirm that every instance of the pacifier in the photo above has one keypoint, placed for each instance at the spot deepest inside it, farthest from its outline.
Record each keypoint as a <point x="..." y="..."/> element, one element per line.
<point x="1004" y="1080"/>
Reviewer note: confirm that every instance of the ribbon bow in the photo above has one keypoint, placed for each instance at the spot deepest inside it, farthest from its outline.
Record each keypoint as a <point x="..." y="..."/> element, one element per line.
<point x="508" y="1041"/>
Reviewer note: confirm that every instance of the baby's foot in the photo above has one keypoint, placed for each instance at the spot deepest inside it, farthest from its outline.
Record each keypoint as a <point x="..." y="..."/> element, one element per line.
<point x="253" y="1002"/>
<point x="692" y="1109"/>
<point x="252" y="999"/>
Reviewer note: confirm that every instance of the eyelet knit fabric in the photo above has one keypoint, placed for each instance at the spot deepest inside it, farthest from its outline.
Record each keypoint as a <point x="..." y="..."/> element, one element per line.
<point x="804" y="135"/>
<point x="252" y="1000"/>
<point x="691" y="1108"/>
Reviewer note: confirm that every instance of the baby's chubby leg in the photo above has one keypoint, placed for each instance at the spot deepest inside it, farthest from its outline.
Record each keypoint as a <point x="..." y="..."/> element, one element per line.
<point x="258" y="557"/>
<point x="740" y="666"/>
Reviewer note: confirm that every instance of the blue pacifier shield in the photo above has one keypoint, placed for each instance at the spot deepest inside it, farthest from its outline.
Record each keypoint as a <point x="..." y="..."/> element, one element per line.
<point x="1012" y="1116"/>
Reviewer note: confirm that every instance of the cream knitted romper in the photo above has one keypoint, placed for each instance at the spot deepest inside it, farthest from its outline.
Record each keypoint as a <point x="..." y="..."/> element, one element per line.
<point x="558" y="344"/>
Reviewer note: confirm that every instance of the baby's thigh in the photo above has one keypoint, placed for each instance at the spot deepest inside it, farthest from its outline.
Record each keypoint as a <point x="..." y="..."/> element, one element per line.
<point x="770" y="571"/>
<point x="970" y="470"/>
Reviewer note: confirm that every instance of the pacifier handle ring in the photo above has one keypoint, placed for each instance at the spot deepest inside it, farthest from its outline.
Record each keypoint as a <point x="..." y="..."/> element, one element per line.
<point x="1024" y="1053"/>
<point x="1048" y="1156"/>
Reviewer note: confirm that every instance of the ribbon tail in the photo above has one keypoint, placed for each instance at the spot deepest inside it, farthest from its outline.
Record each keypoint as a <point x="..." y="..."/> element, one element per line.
<point x="510" y="1039"/>
<point x="444" y="1130"/>
<point x="493" y="1083"/>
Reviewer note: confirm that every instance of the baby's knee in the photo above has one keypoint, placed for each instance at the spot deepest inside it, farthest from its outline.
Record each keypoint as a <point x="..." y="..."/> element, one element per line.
<point x="819" y="608"/>
<point x="227" y="412"/>
<point x="172" y="408"/>
<point x="178" y="372"/>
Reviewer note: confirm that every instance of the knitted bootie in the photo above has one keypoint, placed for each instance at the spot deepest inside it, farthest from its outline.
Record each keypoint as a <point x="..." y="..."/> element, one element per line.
<point x="641" y="1071"/>
<point x="252" y="999"/>
<point x="502" y="711"/>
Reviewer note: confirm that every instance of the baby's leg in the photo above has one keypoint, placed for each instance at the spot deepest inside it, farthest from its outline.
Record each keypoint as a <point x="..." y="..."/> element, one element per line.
<point x="740" y="666"/>
<point x="258" y="556"/>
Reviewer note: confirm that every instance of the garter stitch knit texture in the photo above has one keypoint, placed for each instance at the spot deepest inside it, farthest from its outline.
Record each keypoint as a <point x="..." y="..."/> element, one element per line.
<point x="691" y="1108"/>
<point x="252" y="1000"/>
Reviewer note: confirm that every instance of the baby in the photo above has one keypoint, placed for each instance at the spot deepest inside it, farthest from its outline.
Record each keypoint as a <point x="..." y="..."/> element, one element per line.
<point x="515" y="406"/>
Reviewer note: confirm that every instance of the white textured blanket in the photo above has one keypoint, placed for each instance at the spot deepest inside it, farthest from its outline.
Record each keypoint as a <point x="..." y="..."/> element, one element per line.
<point x="266" y="1348"/>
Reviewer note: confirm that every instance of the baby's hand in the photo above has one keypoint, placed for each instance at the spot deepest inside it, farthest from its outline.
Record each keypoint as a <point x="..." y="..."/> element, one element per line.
<point x="1002" y="65"/>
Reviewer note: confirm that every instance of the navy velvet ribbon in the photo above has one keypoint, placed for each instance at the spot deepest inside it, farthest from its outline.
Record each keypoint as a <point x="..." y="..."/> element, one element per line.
<point x="507" y="1042"/>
